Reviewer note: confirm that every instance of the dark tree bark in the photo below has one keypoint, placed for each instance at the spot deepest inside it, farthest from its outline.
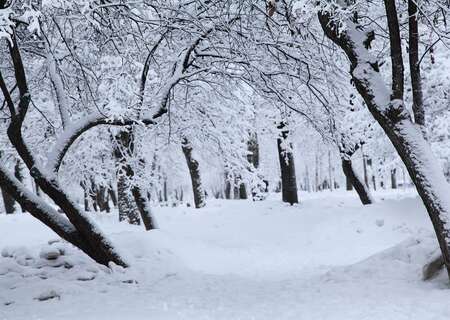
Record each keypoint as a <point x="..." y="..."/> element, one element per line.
<point x="102" y="199"/>
<point x="166" y="196"/>
<point x="236" y="189"/>
<point x="414" y="66"/>
<point x="243" y="192"/>
<point x="372" y="176"/>
<point x="194" y="170"/>
<point x="144" y="209"/>
<point x="227" y="186"/>
<point x="113" y="196"/>
<point x="356" y="182"/>
<point x="37" y="190"/>
<point x="8" y="202"/>
<point x="98" y="196"/>
<point x="287" y="165"/>
<point x="394" y="178"/>
<point x="393" y="116"/>
<point x="366" y="175"/>
<point x="396" y="50"/>
<point x="348" y="184"/>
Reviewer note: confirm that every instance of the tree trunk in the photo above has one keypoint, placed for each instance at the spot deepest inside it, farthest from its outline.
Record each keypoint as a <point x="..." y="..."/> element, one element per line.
<point x="127" y="207"/>
<point x="78" y="228"/>
<point x="256" y="185"/>
<point x="330" y="171"/>
<point x="287" y="165"/>
<point x="144" y="209"/>
<point x="194" y="170"/>
<point x="227" y="186"/>
<point x="243" y="192"/>
<point x="85" y="196"/>
<point x="366" y="176"/>
<point x="394" y="178"/>
<point x="102" y="199"/>
<point x="357" y="183"/>
<point x="236" y="189"/>
<point x="348" y="183"/>
<point x="316" y="176"/>
<point x="112" y="195"/>
<point x="253" y="148"/>
<point x="166" y="196"/>
<point x="19" y="176"/>
<point x="8" y="202"/>
<point x="414" y="66"/>
<point x="388" y="108"/>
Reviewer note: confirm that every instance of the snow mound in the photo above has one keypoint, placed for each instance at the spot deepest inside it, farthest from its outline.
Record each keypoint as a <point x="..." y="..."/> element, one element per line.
<point x="57" y="269"/>
<point x="404" y="261"/>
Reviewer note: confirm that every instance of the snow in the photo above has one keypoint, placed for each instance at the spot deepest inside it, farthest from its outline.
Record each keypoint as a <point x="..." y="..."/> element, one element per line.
<point x="6" y="25"/>
<point x="65" y="140"/>
<point x="326" y="258"/>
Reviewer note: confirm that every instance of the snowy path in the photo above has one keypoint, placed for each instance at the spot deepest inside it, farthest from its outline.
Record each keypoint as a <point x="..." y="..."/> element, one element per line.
<point x="328" y="258"/>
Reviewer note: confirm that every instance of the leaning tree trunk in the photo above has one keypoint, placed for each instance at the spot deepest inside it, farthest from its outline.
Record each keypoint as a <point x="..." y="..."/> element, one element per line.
<point x="194" y="170"/>
<point x="388" y="108"/>
<point x="348" y="184"/>
<point x="92" y="241"/>
<point x="356" y="182"/>
<point x="144" y="209"/>
<point x="287" y="165"/>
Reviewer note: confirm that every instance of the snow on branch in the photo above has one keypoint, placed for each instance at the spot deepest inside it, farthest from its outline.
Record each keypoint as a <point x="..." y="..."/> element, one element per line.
<point x="77" y="128"/>
<point x="6" y="24"/>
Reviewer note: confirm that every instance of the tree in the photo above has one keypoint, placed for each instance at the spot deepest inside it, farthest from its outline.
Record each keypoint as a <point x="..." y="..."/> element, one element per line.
<point x="347" y="149"/>
<point x="388" y="108"/>
<point x="193" y="165"/>
<point x="287" y="165"/>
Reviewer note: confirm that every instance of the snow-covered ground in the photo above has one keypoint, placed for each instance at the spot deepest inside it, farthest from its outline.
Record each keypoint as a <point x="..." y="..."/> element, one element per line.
<point x="327" y="258"/>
